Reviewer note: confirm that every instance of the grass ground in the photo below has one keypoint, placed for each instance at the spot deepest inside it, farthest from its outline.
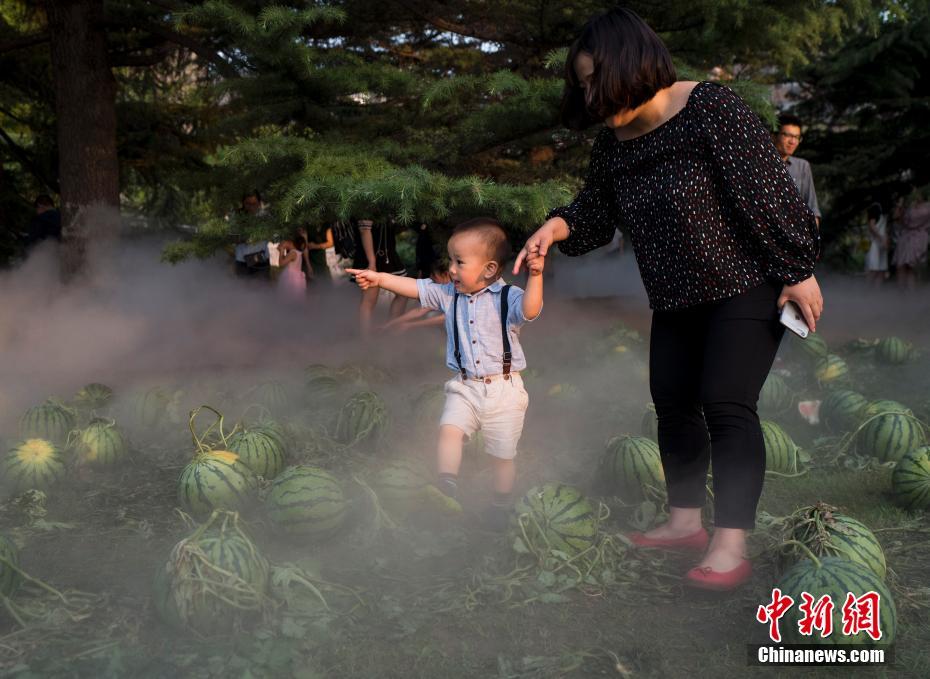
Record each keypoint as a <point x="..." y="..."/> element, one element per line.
<point x="436" y="598"/>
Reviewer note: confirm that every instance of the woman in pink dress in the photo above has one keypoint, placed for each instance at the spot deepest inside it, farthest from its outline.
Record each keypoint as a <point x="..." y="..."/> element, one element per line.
<point x="292" y="282"/>
<point x="913" y="221"/>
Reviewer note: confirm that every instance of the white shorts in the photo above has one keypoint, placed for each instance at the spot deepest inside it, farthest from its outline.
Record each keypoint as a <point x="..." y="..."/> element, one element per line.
<point x="496" y="407"/>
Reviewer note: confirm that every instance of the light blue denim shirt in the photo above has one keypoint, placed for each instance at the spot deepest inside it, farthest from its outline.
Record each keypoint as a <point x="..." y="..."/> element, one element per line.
<point x="479" y="326"/>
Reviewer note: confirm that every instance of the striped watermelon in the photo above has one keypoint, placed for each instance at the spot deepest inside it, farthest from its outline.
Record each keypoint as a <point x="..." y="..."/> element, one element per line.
<point x="650" y="424"/>
<point x="402" y="481"/>
<point x="781" y="453"/>
<point x="812" y="347"/>
<point x="216" y="480"/>
<point x="308" y="501"/>
<point x="273" y="395"/>
<point x="214" y="580"/>
<point x="50" y="421"/>
<point x="322" y="390"/>
<point x="890" y="436"/>
<point x="273" y="429"/>
<point x="101" y="444"/>
<point x="33" y="463"/>
<point x="834" y="576"/>
<point x="775" y="396"/>
<point x="93" y="396"/>
<point x="831" y="370"/>
<point x="9" y="577"/>
<point x="910" y="480"/>
<point x="559" y="516"/>
<point x="631" y="463"/>
<point x="364" y="417"/>
<point x="150" y="408"/>
<point x="842" y="410"/>
<point x="826" y="532"/>
<point x="893" y="350"/>
<point x="884" y="406"/>
<point x="259" y="450"/>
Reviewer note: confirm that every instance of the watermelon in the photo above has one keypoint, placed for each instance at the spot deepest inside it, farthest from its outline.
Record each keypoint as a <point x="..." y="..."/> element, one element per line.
<point x="93" y="396"/>
<point x="273" y="429"/>
<point x="33" y="463"/>
<point x="322" y="390"/>
<point x="910" y="480"/>
<point x="364" y="417"/>
<point x="893" y="350"/>
<point x="558" y="516"/>
<point x="9" y="562"/>
<point x="402" y="481"/>
<point x="884" y="406"/>
<point x="775" y="396"/>
<point x="826" y="532"/>
<point x="842" y="410"/>
<point x="101" y="444"/>
<point x="834" y="576"/>
<point x="216" y="480"/>
<point x="308" y="501"/>
<point x="214" y="580"/>
<point x="150" y="408"/>
<point x="812" y="347"/>
<point x="890" y="436"/>
<point x="781" y="453"/>
<point x="631" y="463"/>
<point x="50" y="421"/>
<point x="650" y="423"/>
<point x="259" y="450"/>
<point x="831" y="370"/>
<point x="273" y="395"/>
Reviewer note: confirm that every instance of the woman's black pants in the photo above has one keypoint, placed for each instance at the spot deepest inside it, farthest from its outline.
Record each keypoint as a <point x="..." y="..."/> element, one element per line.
<point x="707" y="364"/>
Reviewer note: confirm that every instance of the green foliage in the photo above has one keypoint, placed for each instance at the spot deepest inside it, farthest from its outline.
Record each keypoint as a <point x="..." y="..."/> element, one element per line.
<point x="419" y="111"/>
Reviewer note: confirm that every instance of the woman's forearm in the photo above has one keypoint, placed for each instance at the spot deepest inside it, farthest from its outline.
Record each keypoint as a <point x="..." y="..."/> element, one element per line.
<point x="560" y="229"/>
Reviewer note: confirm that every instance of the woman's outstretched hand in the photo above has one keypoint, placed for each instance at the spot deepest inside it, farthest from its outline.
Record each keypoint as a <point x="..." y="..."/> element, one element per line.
<point x="806" y="295"/>
<point x="537" y="245"/>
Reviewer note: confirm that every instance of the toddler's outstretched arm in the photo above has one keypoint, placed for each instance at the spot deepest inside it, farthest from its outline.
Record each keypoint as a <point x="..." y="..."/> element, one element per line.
<point x="400" y="285"/>
<point x="533" y="295"/>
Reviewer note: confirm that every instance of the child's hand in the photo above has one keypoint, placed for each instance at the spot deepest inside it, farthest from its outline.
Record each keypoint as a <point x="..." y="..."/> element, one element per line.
<point x="365" y="278"/>
<point x="535" y="264"/>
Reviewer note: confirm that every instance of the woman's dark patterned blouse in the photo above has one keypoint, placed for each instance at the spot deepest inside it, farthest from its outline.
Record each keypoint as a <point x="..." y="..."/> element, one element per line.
<point x="707" y="201"/>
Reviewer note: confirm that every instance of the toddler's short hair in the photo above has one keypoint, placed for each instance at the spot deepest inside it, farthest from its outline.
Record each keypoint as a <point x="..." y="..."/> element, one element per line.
<point x="491" y="233"/>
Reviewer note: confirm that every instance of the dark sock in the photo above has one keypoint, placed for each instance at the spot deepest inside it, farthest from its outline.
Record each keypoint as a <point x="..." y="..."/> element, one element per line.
<point x="449" y="484"/>
<point x="502" y="501"/>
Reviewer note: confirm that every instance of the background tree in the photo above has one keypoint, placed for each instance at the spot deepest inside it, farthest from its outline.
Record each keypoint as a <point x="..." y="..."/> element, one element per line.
<point x="408" y="109"/>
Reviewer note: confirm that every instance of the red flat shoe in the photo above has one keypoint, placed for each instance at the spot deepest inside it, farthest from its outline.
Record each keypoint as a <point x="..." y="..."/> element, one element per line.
<point x="705" y="577"/>
<point x="696" y="542"/>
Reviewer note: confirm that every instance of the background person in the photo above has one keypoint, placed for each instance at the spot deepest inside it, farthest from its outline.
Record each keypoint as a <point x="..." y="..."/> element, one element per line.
<point x="45" y="224"/>
<point x="913" y="220"/>
<point x="787" y="139"/>
<point x="876" y="259"/>
<point x="376" y="250"/>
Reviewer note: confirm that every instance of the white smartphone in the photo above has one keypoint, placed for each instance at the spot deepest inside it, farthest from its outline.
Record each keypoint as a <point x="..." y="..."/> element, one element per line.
<point x="792" y="319"/>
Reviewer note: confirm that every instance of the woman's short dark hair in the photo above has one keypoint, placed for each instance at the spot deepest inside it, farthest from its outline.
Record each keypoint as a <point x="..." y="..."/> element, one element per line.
<point x="874" y="211"/>
<point x="631" y="64"/>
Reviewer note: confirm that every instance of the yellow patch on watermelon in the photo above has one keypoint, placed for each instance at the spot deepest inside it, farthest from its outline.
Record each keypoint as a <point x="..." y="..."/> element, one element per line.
<point x="620" y="349"/>
<point x="34" y="451"/>
<point x="224" y="456"/>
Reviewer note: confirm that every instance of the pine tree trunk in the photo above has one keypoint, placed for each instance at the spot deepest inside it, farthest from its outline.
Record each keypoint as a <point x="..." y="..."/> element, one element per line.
<point x="85" y="106"/>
